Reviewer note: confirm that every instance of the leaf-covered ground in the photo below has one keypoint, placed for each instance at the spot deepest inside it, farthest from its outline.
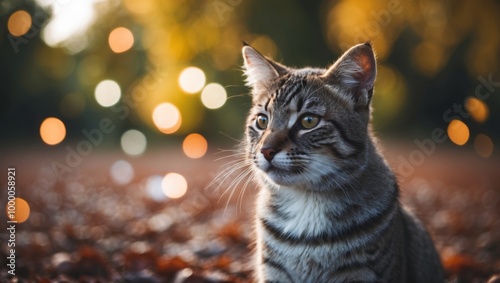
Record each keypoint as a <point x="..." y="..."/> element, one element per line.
<point x="84" y="227"/>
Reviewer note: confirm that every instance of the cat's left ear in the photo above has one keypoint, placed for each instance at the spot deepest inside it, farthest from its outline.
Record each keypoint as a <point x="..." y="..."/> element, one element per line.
<point x="355" y="71"/>
<point x="259" y="70"/>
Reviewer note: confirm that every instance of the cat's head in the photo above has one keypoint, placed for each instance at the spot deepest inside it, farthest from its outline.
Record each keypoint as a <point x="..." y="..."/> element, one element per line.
<point x="309" y="126"/>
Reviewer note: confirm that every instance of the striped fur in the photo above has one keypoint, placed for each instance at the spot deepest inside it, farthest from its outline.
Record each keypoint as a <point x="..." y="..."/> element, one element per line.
<point x="328" y="209"/>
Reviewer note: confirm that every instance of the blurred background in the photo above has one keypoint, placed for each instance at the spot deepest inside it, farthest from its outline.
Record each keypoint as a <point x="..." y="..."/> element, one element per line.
<point x="139" y="96"/>
<point x="171" y="68"/>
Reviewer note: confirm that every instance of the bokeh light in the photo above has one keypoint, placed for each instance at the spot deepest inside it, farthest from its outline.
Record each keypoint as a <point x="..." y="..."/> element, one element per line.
<point x="107" y="93"/>
<point x="122" y="172"/>
<point x="213" y="96"/>
<point x="477" y="109"/>
<point x="192" y="80"/>
<point x="174" y="185"/>
<point x="68" y="23"/>
<point x="483" y="145"/>
<point x="133" y="142"/>
<point x="154" y="188"/>
<point x="19" y="23"/>
<point x="21" y="210"/>
<point x="195" y="146"/>
<point x="458" y="132"/>
<point x="167" y="118"/>
<point x="52" y="131"/>
<point x="120" y="40"/>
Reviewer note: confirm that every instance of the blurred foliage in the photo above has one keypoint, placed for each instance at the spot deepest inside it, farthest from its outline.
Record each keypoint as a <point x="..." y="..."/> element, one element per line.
<point x="433" y="55"/>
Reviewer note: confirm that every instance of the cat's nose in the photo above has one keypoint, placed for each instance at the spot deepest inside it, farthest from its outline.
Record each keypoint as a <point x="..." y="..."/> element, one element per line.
<point x="269" y="153"/>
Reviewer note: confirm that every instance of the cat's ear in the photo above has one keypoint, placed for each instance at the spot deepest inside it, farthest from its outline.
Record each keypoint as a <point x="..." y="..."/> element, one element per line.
<point x="355" y="71"/>
<point x="259" y="70"/>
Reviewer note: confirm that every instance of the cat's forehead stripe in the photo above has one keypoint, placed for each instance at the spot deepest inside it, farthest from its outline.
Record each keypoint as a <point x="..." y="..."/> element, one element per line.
<point x="284" y="95"/>
<point x="290" y="94"/>
<point x="300" y="103"/>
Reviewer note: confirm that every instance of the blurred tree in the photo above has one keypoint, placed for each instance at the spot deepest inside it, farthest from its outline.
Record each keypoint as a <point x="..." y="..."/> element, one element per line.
<point x="19" y="103"/>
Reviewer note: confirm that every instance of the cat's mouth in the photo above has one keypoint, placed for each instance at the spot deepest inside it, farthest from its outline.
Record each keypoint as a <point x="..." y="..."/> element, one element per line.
<point x="279" y="175"/>
<point x="272" y="169"/>
<point x="280" y="169"/>
<point x="292" y="173"/>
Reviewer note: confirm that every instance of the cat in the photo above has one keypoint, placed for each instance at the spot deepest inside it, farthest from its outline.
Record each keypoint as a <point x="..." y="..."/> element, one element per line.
<point x="328" y="207"/>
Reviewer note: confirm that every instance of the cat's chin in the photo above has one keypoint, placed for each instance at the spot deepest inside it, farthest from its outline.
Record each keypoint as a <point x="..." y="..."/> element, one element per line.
<point x="282" y="177"/>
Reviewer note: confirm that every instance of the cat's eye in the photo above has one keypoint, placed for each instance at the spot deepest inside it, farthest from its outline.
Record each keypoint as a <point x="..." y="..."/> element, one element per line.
<point x="262" y="121"/>
<point x="309" y="121"/>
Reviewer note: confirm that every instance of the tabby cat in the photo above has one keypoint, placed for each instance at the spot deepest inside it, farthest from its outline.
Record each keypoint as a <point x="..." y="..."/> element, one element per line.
<point x="328" y="209"/>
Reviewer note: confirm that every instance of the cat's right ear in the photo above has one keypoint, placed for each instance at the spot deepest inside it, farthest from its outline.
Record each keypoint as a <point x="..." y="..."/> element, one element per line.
<point x="355" y="71"/>
<point x="259" y="70"/>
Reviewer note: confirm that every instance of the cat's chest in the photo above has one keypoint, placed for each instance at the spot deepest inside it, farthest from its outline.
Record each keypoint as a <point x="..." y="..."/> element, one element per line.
<point x="320" y="237"/>
<point x="297" y="213"/>
<point x="313" y="264"/>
